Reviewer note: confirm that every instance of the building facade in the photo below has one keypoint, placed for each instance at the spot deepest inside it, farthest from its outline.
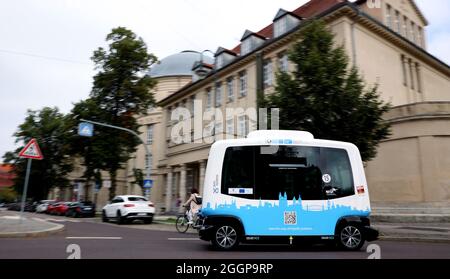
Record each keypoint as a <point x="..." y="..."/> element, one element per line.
<point x="385" y="39"/>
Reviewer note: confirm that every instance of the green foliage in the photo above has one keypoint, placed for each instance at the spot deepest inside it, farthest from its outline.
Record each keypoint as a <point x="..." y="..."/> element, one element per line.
<point x="327" y="97"/>
<point x="138" y="177"/>
<point x="121" y="91"/>
<point x="7" y="194"/>
<point x="48" y="126"/>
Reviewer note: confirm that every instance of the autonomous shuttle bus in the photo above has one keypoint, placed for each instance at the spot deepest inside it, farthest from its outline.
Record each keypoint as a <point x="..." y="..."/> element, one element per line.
<point x="285" y="186"/>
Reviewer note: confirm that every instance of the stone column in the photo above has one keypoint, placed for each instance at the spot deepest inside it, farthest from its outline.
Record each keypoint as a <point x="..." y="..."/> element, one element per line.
<point x="169" y="190"/>
<point x="183" y="182"/>
<point x="201" y="178"/>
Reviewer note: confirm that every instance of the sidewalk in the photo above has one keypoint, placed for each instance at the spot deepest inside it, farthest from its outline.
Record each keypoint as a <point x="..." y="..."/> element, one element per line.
<point x="11" y="225"/>
<point x="422" y="232"/>
<point x="411" y="212"/>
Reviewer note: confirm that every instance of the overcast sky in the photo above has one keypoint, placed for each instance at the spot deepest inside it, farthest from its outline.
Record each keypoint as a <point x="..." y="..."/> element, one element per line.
<point x="46" y="45"/>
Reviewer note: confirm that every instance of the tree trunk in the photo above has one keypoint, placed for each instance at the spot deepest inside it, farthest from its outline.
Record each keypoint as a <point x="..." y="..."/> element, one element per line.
<point x="112" y="190"/>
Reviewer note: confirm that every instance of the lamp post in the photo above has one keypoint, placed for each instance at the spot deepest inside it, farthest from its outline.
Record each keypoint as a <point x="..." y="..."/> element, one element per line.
<point x="147" y="150"/>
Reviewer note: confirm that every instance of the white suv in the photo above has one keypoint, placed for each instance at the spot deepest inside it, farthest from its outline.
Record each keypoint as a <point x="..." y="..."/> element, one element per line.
<point x="125" y="209"/>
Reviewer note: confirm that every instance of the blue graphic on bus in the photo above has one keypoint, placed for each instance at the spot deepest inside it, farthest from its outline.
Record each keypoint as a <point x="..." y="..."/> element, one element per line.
<point x="286" y="218"/>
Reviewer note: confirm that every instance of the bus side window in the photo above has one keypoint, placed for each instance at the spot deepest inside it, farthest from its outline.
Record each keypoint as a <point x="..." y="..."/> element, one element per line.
<point x="238" y="173"/>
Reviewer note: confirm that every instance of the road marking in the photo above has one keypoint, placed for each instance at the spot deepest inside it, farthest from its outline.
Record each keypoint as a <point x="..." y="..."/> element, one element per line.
<point x="95" y="237"/>
<point x="182" y="239"/>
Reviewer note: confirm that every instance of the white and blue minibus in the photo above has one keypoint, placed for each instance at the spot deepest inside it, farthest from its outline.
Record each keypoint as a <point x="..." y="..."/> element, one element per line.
<point x="285" y="186"/>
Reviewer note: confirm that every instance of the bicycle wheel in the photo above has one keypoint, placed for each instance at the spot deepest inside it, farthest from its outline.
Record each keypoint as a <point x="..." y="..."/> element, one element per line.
<point x="182" y="224"/>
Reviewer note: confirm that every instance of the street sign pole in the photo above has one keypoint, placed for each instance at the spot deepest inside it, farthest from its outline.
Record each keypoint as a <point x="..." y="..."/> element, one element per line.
<point x="147" y="151"/>
<point x="25" y="189"/>
<point x="30" y="151"/>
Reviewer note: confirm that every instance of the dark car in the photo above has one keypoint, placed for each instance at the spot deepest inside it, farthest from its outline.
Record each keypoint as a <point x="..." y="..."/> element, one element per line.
<point x="81" y="209"/>
<point x="16" y="206"/>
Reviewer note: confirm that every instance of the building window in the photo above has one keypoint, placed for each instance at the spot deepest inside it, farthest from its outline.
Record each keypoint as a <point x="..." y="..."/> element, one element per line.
<point x="208" y="98"/>
<point x="398" y="26"/>
<point x="230" y="89"/>
<point x="420" y="37"/>
<point x="413" y="32"/>
<point x="246" y="46"/>
<point x="218" y="129"/>
<point x="230" y="127"/>
<point x="405" y="75"/>
<point x="150" y="134"/>
<point x="280" y="26"/>
<point x="411" y="72"/>
<point x="243" y="83"/>
<point x="242" y="126"/>
<point x="283" y="62"/>
<point x="148" y="161"/>
<point x="192" y="105"/>
<point x="405" y="27"/>
<point x="218" y="94"/>
<point x="389" y="16"/>
<point x="419" y="78"/>
<point x="219" y="61"/>
<point x="267" y="73"/>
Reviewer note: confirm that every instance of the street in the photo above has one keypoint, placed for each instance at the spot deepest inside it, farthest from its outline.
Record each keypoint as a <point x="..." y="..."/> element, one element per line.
<point x="98" y="240"/>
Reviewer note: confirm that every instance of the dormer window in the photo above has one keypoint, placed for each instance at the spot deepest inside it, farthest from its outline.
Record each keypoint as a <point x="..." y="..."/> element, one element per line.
<point x="283" y="22"/>
<point x="223" y="57"/>
<point x="251" y="41"/>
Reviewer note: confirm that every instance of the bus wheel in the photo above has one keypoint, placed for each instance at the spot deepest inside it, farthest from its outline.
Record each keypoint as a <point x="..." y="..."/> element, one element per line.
<point x="226" y="237"/>
<point x="350" y="237"/>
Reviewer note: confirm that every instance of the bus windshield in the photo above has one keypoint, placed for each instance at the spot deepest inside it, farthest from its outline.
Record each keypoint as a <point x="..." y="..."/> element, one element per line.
<point x="309" y="173"/>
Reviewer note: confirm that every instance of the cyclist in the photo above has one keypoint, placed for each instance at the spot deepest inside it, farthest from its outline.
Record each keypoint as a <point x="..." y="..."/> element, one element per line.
<point x="194" y="203"/>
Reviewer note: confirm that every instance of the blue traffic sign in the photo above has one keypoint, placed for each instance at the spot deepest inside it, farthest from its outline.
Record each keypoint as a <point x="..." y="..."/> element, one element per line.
<point x="86" y="129"/>
<point x="148" y="184"/>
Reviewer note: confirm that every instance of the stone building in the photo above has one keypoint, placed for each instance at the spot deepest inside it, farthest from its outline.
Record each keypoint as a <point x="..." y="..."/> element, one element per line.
<point x="385" y="39"/>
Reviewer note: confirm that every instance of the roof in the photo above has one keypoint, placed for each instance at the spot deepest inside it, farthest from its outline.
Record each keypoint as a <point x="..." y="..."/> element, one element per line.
<point x="320" y="9"/>
<point x="311" y="8"/>
<point x="179" y="64"/>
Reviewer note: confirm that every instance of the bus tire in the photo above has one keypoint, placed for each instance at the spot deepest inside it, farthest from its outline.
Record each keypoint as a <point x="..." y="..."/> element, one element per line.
<point x="226" y="237"/>
<point x="350" y="237"/>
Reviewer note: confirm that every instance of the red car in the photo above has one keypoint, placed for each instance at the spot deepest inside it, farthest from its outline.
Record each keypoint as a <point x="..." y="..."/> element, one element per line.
<point x="59" y="208"/>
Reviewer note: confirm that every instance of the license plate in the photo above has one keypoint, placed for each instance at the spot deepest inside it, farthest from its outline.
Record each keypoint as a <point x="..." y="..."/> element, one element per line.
<point x="87" y="208"/>
<point x="142" y="214"/>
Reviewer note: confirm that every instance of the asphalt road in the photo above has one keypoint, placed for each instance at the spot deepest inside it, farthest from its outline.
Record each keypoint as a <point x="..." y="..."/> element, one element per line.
<point x="110" y="241"/>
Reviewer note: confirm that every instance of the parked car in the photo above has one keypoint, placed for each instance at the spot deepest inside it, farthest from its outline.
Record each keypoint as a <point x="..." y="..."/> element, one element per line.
<point x="59" y="208"/>
<point x="127" y="208"/>
<point x="81" y="209"/>
<point x="16" y="206"/>
<point x="50" y="207"/>
<point x="42" y="205"/>
<point x="13" y="206"/>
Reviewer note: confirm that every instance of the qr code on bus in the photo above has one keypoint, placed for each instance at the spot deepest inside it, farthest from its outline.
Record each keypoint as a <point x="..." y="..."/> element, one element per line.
<point x="290" y="218"/>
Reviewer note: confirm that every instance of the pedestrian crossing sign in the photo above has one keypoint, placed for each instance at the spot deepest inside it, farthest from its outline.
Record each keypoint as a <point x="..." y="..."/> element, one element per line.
<point x="148" y="183"/>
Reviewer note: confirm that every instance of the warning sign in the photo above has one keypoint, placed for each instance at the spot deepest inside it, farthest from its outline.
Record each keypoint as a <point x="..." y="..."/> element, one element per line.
<point x="31" y="151"/>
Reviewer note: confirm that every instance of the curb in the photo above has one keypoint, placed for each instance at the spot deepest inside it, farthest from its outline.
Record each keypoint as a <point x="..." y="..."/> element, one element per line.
<point x="414" y="239"/>
<point x="42" y="233"/>
<point x="409" y="218"/>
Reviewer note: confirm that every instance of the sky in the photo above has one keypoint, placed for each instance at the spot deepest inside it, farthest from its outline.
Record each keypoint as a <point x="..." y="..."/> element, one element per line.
<point x="46" y="45"/>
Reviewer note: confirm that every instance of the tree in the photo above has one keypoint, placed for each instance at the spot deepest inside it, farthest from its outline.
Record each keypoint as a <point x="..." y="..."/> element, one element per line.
<point x="327" y="97"/>
<point x="121" y="91"/>
<point x="48" y="127"/>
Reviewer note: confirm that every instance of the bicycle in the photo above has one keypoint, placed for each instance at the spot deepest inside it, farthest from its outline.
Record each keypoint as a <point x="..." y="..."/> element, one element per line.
<point x="182" y="223"/>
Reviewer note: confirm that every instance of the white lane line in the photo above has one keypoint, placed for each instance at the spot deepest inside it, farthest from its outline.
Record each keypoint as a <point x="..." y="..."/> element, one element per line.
<point x="95" y="237"/>
<point x="182" y="239"/>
